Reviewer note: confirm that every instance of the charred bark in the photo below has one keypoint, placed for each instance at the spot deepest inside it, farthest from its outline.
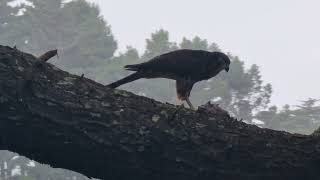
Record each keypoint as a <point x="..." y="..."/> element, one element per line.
<point x="72" y="122"/>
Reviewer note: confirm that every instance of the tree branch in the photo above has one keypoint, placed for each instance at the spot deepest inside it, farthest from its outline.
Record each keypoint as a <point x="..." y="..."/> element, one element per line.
<point x="46" y="56"/>
<point x="75" y="123"/>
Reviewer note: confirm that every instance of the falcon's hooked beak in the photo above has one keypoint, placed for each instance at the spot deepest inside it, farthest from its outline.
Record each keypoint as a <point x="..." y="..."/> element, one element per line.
<point x="227" y="69"/>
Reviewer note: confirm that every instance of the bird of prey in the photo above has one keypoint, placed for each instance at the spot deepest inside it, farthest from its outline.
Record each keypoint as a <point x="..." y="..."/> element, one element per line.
<point x="185" y="66"/>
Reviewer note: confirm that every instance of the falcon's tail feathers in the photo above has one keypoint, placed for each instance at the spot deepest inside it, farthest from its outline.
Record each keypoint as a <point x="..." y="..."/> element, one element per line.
<point x="132" y="67"/>
<point x="125" y="80"/>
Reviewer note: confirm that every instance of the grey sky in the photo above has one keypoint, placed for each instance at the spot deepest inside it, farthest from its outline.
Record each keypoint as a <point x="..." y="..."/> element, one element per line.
<point x="281" y="36"/>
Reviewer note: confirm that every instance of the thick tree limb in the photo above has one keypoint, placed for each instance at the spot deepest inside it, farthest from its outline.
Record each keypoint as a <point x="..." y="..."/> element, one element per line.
<point x="75" y="123"/>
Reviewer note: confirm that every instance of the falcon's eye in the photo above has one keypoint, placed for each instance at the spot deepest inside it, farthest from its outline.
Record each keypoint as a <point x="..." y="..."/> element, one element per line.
<point x="227" y="61"/>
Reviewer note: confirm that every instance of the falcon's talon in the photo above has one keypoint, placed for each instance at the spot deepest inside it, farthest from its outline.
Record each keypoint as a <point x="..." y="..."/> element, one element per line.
<point x="190" y="104"/>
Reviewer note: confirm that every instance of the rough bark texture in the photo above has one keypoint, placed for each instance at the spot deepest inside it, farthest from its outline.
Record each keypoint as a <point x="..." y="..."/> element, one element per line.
<point x="71" y="122"/>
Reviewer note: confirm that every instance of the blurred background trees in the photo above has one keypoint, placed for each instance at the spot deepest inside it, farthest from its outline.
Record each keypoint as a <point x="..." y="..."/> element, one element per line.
<point x="76" y="28"/>
<point x="303" y="118"/>
<point x="7" y="13"/>
<point x="15" y="167"/>
<point x="86" y="45"/>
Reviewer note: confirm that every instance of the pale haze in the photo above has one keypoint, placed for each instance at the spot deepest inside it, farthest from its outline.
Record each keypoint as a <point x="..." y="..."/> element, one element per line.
<point x="280" y="36"/>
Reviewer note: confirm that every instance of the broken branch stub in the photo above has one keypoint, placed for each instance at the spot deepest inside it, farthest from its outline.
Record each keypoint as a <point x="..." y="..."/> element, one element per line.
<point x="48" y="55"/>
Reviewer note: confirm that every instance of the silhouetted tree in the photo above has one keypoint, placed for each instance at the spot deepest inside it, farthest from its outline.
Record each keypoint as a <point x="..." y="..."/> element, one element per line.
<point x="15" y="167"/>
<point x="267" y="116"/>
<point x="158" y="44"/>
<point x="196" y="43"/>
<point x="76" y="28"/>
<point x="113" y="69"/>
<point x="304" y="118"/>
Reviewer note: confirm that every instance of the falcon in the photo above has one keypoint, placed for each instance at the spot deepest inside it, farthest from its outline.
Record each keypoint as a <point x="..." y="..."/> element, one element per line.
<point x="185" y="66"/>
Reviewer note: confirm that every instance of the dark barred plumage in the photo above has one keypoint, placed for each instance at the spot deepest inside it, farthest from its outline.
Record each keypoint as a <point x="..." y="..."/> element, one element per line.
<point x="185" y="66"/>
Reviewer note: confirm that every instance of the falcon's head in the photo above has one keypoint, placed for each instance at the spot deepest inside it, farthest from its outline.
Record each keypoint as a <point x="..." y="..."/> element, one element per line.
<point x="223" y="60"/>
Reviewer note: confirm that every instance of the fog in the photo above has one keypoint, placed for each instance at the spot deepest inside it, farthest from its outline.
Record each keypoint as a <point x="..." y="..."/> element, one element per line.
<point x="280" y="36"/>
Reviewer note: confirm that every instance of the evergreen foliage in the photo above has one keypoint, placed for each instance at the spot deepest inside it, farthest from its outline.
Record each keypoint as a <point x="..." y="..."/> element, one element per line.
<point x="303" y="118"/>
<point x="76" y="28"/>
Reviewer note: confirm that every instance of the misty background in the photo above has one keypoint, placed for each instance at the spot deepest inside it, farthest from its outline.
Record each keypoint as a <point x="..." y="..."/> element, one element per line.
<point x="281" y="36"/>
<point x="273" y="46"/>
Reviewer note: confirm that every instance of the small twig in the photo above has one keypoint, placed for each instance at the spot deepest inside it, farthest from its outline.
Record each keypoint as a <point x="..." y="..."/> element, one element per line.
<point x="80" y="78"/>
<point x="46" y="56"/>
